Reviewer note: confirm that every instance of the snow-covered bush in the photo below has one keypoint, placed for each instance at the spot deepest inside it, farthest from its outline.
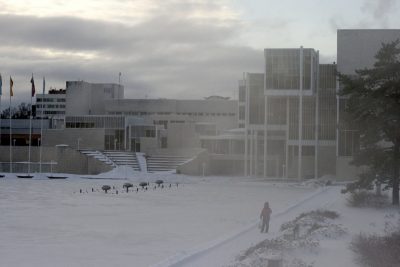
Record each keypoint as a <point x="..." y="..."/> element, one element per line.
<point x="105" y="188"/>
<point x="304" y="232"/>
<point x="127" y="186"/>
<point x="377" y="251"/>
<point x="143" y="184"/>
<point x="312" y="217"/>
<point x="364" y="198"/>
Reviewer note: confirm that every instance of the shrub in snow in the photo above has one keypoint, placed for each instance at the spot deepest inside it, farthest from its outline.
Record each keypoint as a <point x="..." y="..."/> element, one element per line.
<point x="377" y="251"/>
<point x="311" y="227"/>
<point x="312" y="216"/>
<point x="364" y="198"/>
<point x="105" y="188"/>
<point x="127" y="186"/>
<point x="143" y="184"/>
<point x="159" y="182"/>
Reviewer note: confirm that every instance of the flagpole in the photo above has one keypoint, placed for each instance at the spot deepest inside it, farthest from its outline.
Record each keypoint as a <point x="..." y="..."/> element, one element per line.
<point x="30" y="140"/>
<point x="30" y="128"/>
<point x="1" y="92"/>
<point x="0" y="115"/>
<point x="10" y="132"/>
<point x="41" y="130"/>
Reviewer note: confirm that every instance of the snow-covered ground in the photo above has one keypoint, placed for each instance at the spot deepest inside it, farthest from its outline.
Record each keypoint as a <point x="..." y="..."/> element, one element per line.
<point x="201" y="222"/>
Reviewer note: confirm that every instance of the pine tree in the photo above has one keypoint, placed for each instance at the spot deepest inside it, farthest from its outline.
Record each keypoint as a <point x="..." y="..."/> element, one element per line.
<point x="373" y="105"/>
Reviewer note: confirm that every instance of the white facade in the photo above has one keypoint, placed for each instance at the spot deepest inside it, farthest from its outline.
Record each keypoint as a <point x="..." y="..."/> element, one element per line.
<point x="222" y="113"/>
<point x="52" y="105"/>
<point x="85" y="98"/>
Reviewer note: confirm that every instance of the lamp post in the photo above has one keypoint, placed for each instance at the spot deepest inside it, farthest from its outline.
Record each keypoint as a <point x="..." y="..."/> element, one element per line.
<point x="79" y="140"/>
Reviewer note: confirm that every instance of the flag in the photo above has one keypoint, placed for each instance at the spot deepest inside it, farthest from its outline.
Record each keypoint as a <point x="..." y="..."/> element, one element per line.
<point x="11" y="87"/>
<point x="33" y="86"/>
<point x="44" y="85"/>
<point x="1" y="85"/>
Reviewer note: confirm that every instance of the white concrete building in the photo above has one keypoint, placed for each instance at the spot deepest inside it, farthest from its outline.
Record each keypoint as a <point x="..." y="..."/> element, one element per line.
<point x="85" y="98"/>
<point x="51" y="105"/>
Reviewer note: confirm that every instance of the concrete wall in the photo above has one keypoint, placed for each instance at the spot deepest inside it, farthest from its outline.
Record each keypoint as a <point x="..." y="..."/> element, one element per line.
<point x="20" y="157"/>
<point x="182" y="135"/>
<point x="95" y="166"/>
<point x="307" y="167"/>
<point x="83" y="98"/>
<point x="212" y="111"/>
<point x="226" y="167"/>
<point x="63" y="159"/>
<point x="71" y="161"/>
<point x="197" y="165"/>
<point x="148" y="144"/>
<point x="188" y="152"/>
<point x="327" y="160"/>
<point x="89" y="138"/>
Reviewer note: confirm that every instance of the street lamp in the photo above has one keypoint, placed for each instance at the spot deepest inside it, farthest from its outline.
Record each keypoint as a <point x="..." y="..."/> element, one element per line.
<point x="79" y="140"/>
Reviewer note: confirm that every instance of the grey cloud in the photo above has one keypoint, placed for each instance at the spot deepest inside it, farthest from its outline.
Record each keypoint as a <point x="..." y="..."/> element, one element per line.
<point x="75" y="34"/>
<point x="378" y="8"/>
<point x="161" y="57"/>
<point x="377" y="11"/>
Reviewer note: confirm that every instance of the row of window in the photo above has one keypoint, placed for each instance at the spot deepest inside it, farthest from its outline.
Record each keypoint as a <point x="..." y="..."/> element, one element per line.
<point x="79" y="124"/>
<point x="50" y="100"/>
<point x="108" y="122"/>
<point x="54" y="112"/>
<point x="169" y="113"/>
<point x="50" y="106"/>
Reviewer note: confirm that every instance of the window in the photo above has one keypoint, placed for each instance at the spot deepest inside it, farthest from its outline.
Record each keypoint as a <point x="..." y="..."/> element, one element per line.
<point x="150" y="133"/>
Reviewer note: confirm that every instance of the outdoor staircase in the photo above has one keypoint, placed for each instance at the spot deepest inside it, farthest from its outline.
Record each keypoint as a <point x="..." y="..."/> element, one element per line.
<point x="162" y="163"/>
<point x="123" y="158"/>
<point x="97" y="155"/>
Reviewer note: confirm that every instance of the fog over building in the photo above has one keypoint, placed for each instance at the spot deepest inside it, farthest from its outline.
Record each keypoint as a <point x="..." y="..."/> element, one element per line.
<point x="286" y="123"/>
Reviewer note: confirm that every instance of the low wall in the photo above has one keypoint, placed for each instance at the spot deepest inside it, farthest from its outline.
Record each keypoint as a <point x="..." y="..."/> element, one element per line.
<point x="182" y="152"/>
<point x="60" y="159"/>
<point x="71" y="161"/>
<point x="221" y="165"/>
<point x="197" y="166"/>
<point x="88" y="138"/>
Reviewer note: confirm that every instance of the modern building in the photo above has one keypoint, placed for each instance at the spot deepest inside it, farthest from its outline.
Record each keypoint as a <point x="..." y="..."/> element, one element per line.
<point x="85" y="98"/>
<point x="20" y="131"/>
<point x="290" y="116"/>
<point x="51" y="105"/>
<point x="100" y="118"/>
<point x="287" y="122"/>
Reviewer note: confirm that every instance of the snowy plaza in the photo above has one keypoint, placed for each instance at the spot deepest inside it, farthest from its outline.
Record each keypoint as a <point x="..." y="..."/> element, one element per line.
<point x="195" y="222"/>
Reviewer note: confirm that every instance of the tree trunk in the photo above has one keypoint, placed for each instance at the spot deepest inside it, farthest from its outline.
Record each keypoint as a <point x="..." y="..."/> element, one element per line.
<point x="396" y="172"/>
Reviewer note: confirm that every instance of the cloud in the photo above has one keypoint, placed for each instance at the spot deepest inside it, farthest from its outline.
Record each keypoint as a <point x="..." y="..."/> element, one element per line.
<point x="163" y="56"/>
<point x="377" y="12"/>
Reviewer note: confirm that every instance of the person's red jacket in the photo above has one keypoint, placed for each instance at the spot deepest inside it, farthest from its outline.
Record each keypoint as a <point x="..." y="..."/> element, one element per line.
<point x="266" y="213"/>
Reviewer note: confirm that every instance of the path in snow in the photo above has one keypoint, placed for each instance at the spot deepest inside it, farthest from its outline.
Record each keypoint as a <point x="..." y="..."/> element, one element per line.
<point x="223" y="251"/>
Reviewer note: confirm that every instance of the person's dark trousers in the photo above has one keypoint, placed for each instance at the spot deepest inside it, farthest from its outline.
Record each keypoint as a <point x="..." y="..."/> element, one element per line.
<point x="265" y="225"/>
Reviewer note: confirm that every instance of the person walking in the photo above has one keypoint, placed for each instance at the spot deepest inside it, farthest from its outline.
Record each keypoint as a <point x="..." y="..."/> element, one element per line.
<point x="265" y="216"/>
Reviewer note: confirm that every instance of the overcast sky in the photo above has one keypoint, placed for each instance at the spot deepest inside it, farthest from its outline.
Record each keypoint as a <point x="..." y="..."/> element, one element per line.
<point x="168" y="48"/>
